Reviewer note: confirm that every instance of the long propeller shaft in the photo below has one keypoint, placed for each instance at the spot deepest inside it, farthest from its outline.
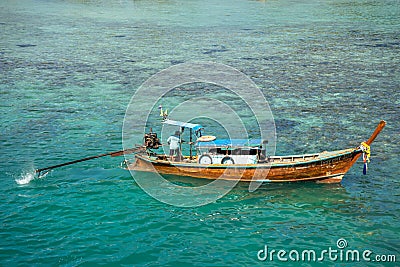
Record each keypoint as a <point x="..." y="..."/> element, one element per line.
<point x="112" y="154"/>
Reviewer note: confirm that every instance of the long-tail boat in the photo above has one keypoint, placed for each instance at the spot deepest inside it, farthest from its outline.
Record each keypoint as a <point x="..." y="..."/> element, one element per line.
<point x="246" y="160"/>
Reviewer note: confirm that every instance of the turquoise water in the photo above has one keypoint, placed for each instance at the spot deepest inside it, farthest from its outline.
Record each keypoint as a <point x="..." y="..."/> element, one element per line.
<point x="329" y="69"/>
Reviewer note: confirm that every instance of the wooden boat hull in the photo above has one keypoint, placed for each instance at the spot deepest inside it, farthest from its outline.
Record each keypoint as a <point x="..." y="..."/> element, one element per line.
<point x="326" y="167"/>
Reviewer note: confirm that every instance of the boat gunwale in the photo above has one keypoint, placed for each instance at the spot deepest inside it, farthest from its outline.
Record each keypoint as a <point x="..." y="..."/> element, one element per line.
<point x="321" y="157"/>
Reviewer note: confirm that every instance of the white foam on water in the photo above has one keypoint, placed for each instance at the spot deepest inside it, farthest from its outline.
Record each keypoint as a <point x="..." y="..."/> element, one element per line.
<point x="25" y="178"/>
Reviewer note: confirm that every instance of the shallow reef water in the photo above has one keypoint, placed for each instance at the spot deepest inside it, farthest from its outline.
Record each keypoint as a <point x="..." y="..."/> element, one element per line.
<point x="68" y="69"/>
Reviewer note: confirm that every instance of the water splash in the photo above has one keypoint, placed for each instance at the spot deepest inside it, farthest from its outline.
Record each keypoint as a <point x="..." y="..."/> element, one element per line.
<point x="25" y="178"/>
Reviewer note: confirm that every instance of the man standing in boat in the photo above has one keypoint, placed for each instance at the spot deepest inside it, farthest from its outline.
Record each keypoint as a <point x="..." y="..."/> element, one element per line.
<point x="174" y="142"/>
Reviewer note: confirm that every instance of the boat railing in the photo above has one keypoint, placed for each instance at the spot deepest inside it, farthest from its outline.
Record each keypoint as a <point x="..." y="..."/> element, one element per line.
<point x="293" y="158"/>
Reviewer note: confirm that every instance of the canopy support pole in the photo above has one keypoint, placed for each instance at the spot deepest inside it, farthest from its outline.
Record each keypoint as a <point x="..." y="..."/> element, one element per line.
<point x="191" y="143"/>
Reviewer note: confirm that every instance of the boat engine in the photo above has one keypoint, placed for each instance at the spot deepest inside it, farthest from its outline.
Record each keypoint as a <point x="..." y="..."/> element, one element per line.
<point x="151" y="141"/>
